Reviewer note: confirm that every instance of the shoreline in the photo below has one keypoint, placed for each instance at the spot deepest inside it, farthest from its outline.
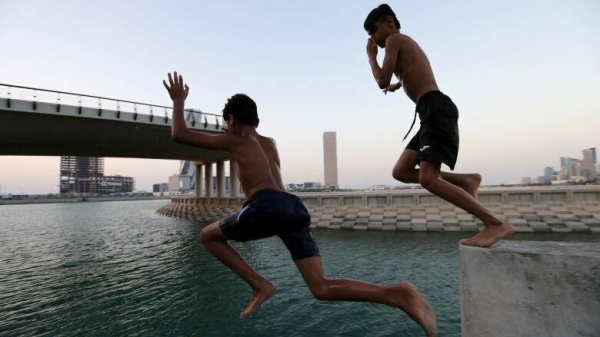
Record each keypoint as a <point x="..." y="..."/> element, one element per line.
<point x="73" y="200"/>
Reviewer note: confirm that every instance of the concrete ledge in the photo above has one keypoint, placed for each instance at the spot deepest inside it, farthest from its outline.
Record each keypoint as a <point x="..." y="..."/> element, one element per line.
<point x="527" y="217"/>
<point x="529" y="288"/>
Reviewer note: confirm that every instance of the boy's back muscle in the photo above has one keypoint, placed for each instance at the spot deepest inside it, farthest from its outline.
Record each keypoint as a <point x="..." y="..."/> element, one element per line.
<point x="257" y="162"/>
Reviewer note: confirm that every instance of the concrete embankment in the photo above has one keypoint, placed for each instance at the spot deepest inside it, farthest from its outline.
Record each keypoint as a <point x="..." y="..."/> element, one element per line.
<point x="526" y="288"/>
<point x="559" y="210"/>
<point x="70" y="200"/>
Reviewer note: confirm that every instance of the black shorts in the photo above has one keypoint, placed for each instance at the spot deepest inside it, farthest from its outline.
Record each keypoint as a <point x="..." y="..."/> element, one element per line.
<point x="437" y="139"/>
<point x="271" y="213"/>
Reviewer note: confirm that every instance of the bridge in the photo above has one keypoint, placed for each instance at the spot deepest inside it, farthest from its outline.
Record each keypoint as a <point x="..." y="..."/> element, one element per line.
<point x="40" y="122"/>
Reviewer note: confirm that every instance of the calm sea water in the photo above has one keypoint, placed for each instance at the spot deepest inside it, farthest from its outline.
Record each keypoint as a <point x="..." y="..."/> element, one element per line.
<point x="118" y="268"/>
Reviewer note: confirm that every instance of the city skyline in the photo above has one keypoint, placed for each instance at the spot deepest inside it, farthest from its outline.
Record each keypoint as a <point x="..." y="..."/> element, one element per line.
<point x="6" y="188"/>
<point x="523" y="75"/>
<point x="571" y="170"/>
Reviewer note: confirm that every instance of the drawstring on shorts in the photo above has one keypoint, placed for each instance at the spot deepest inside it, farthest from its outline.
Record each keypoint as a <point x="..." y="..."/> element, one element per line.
<point x="411" y="126"/>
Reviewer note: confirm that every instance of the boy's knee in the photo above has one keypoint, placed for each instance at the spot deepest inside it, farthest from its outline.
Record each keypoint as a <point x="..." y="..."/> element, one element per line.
<point x="205" y="236"/>
<point x="400" y="175"/>
<point x="320" y="291"/>
<point x="320" y="294"/>
<point x="427" y="180"/>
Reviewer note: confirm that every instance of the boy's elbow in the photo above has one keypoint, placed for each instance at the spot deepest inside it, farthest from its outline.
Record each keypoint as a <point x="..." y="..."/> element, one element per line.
<point x="176" y="137"/>
<point x="383" y="83"/>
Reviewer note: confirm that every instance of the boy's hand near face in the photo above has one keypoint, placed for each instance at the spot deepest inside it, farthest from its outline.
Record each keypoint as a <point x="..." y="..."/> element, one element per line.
<point x="371" y="48"/>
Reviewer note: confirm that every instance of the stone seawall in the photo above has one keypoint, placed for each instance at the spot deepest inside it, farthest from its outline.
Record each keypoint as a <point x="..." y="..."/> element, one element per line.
<point x="561" y="210"/>
<point x="525" y="288"/>
<point x="71" y="200"/>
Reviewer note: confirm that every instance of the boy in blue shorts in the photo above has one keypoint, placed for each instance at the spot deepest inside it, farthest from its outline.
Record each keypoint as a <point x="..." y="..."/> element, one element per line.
<point x="271" y="211"/>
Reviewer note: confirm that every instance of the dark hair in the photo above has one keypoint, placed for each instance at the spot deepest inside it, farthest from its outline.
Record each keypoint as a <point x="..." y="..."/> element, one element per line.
<point x="242" y="108"/>
<point x="378" y="15"/>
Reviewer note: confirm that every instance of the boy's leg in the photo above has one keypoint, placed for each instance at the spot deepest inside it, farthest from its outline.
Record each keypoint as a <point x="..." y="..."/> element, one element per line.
<point x="495" y="228"/>
<point x="216" y="243"/>
<point x="403" y="296"/>
<point x="405" y="171"/>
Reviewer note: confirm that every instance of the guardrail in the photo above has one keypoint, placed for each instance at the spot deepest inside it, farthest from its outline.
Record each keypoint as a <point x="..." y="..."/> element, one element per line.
<point x="62" y="98"/>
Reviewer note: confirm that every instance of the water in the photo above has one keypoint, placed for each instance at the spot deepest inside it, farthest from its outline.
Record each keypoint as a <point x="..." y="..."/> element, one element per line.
<point x="118" y="268"/>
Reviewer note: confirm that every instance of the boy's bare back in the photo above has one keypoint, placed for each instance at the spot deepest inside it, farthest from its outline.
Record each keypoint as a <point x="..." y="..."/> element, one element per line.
<point x="257" y="162"/>
<point x="255" y="156"/>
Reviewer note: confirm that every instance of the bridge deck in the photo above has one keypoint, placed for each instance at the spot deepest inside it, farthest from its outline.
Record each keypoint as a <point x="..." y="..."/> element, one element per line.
<point x="75" y="131"/>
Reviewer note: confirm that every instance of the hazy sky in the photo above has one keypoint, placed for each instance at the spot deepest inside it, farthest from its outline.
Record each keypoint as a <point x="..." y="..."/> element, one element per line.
<point x="525" y="76"/>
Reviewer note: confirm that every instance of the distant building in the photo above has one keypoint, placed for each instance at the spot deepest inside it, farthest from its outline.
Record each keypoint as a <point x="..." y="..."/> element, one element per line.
<point x="294" y="187"/>
<point x="115" y="184"/>
<point x="590" y="155"/>
<point x="180" y="183"/>
<point x="311" y="185"/>
<point x="85" y="175"/>
<point x="526" y="181"/>
<point x="566" y="167"/>
<point x="330" y="160"/>
<point x="588" y="164"/>
<point x="378" y="188"/>
<point x="160" y="188"/>
<point x="549" y="172"/>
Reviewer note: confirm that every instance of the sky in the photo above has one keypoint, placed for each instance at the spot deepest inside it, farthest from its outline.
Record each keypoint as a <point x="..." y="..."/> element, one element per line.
<point x="524" y="75"/>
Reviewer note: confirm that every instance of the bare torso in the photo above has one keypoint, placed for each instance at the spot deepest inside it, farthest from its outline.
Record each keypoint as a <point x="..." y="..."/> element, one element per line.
<point x="413" y="69"/>
<point x="257" y="163"/>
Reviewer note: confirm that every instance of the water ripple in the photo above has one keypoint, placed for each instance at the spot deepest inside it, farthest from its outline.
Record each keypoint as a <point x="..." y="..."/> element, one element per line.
<point x="118" y="268"/>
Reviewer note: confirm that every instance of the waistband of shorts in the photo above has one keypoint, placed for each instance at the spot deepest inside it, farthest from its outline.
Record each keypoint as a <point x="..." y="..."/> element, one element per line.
<point x="264" y="192"/>
<point x="422" y="101"/>
<point x="427" y="96"/>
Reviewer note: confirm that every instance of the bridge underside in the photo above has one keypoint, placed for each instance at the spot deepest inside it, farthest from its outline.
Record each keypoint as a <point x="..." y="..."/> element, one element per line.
<point x="39" y="134"/>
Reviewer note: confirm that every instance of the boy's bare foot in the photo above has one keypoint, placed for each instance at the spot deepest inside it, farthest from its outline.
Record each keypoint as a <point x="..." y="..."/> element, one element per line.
<point x="472" y="184"/>
<point x="490" y="235"/>
<point x="259" y="296"/>
<point x="414" y="305"/>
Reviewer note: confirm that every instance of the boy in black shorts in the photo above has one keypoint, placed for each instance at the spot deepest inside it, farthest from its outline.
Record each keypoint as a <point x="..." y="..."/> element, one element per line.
<point x="271" y="211"/>
<point x="437" y="140"/>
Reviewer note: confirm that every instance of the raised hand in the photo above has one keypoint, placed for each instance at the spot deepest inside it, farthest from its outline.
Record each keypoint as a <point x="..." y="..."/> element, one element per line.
<point x="176" y="88"/>
<point x="371" y="47"/>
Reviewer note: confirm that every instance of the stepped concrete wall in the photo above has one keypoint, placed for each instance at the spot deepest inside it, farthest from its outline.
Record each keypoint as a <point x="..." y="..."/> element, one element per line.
<point x="552" y="209"/>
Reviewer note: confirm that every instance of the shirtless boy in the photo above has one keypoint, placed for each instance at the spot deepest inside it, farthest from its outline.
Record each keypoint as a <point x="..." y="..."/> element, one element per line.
<point x="270" y="211"/>
<point x="437" y="140"/>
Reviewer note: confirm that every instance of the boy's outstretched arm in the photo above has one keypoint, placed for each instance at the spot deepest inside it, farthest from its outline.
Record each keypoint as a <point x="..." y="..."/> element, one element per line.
<point x="383" y="75"/>
<point x="179" y="131"/>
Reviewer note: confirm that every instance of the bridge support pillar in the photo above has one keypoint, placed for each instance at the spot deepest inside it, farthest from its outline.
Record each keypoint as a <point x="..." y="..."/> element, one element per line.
<point x="234" y="183"/>
<point x="220" y="179"/>
<point x="208" y="181"/>
<point x="198" y="180"/>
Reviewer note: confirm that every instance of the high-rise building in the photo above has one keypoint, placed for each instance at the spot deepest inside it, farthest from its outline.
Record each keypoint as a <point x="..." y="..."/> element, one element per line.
<point x="588" y="164"/>
<point x="567" y="168"/>
<point x="590" y="155"/>
<point x="548" y="173"/>
<point x="85" y="175"/>
<point x="330" y="160"/>
<point x="80" y="174"/>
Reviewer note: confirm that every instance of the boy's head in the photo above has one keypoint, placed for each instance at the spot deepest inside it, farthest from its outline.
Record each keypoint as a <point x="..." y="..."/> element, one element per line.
<point x="242" y="108"/>
<point x="381" y="22"/>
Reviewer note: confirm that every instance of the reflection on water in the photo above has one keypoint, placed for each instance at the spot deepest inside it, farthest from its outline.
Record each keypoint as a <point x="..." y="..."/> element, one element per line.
<point x="111" y="268"/>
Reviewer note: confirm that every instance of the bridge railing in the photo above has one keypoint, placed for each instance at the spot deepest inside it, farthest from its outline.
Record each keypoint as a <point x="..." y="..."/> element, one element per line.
<point x="62" y="98"/>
